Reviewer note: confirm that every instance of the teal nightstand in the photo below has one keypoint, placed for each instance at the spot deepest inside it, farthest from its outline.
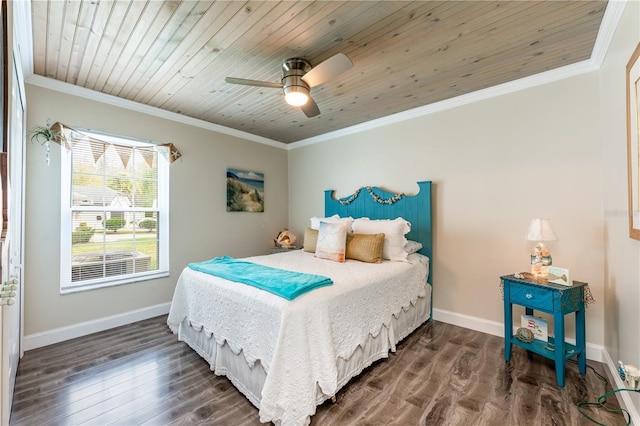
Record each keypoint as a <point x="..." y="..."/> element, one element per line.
<point x="554" y="299"/>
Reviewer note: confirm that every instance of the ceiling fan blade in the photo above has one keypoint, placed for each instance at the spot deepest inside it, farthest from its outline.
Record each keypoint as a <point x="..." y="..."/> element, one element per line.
<point x="310" y="109"/>
<point x="247" y="82"/>
<point x="328" y="69"/>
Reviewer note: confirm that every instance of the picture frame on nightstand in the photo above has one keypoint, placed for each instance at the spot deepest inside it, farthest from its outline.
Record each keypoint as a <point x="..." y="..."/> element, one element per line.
<point x="559" y="276"/>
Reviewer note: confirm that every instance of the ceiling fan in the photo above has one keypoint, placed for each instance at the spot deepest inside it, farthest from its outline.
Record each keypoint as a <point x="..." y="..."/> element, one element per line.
<point x="298" y="77"/>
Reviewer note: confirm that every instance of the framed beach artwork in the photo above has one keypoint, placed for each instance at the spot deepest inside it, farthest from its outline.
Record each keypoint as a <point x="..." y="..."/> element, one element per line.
<point x="245" y="191"/>
<point x="633" y="141"/>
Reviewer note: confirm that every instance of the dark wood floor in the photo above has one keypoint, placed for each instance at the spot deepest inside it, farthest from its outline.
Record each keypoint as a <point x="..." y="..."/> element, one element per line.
<point x="440" y="375"/>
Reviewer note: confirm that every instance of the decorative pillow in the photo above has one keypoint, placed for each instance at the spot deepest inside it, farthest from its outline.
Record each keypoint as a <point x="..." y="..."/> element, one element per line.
<point x="310" y="240"/>
<point x="394" y="235"/>
<point x="365" y="247"/>
<point x="332" y="241"/>
<point x="315" y="221"/>
<point x="412" y="247"/>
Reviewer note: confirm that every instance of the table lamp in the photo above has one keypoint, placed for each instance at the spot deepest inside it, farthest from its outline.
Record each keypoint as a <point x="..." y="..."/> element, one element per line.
<point x="540" y="230"/>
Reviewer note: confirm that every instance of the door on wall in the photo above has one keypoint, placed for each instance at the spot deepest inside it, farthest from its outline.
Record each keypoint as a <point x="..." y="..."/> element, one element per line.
<point x="13" y="239"/>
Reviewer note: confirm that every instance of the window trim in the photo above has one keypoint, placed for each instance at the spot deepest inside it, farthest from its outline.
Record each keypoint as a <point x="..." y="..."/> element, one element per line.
<point x="67" y="286"/>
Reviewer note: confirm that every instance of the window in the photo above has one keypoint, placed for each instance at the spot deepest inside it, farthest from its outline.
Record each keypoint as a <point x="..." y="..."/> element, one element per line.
<point x="115" y="221"/>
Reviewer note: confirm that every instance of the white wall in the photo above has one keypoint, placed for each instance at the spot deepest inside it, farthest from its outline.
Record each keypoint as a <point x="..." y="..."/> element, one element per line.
<point x="200" y="226"/>
<point x="496" y="164"/>
<point x="622" y="268"/>
<point x="557" y="150"/>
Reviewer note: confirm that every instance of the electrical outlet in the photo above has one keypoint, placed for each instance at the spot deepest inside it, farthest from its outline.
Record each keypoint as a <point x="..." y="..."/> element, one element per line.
<point x="630" y="374"/>
<point x="621" y="372"/>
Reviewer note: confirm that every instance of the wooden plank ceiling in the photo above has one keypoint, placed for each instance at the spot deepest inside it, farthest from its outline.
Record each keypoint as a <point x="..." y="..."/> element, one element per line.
<point x="175" y="55"/>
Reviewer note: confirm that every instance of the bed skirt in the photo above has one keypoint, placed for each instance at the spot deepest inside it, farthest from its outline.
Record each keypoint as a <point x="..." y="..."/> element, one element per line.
<point x="250" y="379"/>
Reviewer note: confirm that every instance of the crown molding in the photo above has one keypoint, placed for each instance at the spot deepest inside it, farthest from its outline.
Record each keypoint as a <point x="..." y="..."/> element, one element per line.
<point x="612" y="15"/>
<point x="609" y="23"/>
<point x="610" y="20"/>
<point x="82" y="92"/>
<point x="469" y="98"/>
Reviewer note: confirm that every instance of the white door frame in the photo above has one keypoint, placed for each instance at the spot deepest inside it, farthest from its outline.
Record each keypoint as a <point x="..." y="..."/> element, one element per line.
<point x="13" y="246"/>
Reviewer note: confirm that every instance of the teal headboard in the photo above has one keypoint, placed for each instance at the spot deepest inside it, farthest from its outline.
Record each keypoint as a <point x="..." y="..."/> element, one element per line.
<point x="376" y="203"/>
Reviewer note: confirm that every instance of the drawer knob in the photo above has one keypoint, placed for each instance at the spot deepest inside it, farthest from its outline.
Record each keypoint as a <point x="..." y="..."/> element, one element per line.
<point x="529" y="296"/>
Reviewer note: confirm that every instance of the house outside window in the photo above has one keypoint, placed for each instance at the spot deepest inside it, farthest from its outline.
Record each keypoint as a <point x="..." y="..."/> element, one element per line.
<point x="115" y="221"/>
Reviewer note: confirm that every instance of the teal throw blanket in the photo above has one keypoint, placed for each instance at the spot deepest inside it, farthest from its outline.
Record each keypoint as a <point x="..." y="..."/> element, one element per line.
<point x="283" y="283"/>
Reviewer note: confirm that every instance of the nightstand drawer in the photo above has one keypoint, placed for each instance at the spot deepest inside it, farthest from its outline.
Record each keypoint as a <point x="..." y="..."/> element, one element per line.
<point x="531" y="297"/>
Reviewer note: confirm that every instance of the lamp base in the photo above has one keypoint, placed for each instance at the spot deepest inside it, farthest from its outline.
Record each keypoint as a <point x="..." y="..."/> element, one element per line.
<point x="540" y="271"/>
<point x="540" y="261"/>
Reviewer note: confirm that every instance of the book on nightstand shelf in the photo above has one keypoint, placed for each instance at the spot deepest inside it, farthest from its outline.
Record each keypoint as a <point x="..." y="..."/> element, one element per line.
<point x="537" y="325"/>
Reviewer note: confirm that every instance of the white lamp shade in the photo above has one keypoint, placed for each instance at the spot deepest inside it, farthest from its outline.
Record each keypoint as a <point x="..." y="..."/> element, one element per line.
<point x="541" y="230"/>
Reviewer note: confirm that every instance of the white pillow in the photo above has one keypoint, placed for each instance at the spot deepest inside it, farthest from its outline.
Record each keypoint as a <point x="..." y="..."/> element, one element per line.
<point x="332" y="241"/>
<point x="394" y="235"/>
<point x="315" y="221"/>
<point x="412" y="247"/>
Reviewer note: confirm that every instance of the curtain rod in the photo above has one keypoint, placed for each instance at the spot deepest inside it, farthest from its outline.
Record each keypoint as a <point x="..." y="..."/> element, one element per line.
<point x="111" y="135"/>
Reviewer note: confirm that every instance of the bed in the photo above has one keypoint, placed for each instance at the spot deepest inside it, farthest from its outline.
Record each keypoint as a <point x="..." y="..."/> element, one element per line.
<point x="286" y="356"/>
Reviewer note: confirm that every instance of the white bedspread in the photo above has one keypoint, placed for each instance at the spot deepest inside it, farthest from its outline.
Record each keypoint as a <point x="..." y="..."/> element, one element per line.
<point x="299" y="341"/>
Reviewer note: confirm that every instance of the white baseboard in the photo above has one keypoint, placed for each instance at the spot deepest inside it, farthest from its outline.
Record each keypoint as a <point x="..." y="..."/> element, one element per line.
<point x="594" y="352"/>
<point x="58" y="335"/>
<point x="37" y="340"/>
<point x="624" y="398"/>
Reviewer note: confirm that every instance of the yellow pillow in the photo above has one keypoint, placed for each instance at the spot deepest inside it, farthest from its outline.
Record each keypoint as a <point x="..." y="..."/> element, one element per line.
<point x="310" y="240"/>
<point x="365" y="247"/>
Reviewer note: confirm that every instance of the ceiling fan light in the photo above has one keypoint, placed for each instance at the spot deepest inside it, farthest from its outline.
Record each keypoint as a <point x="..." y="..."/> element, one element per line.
<point x="296" y="96"/>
